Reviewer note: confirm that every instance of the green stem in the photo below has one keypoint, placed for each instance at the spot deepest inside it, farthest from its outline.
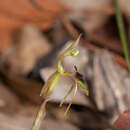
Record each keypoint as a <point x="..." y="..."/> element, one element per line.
<point x="66" y="53"/>
<point x="40" y="116"/>
<point x="122" y="32"/>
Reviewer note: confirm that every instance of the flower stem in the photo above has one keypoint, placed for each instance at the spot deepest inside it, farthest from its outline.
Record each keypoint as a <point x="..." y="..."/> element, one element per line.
<point x="40" y="116"/>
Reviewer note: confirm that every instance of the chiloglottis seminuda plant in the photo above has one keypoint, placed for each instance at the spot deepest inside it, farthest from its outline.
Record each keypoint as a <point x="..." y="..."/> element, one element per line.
<point x="55" y="77"/>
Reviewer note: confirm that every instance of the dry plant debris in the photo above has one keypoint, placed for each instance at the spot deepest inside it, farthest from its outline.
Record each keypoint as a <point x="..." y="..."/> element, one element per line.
<point x="16" y="14"/>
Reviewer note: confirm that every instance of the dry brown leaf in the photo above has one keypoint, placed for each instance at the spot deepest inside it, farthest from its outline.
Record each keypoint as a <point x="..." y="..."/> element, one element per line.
<point x="21" y="57"/>
<point x="15" y="14"/>
<point x="123" y="122"/>
<point x="29" y="89"/>
<point x="9" y="102"/>
<point x="19" y="122"/>
<point x="88" y="13"/>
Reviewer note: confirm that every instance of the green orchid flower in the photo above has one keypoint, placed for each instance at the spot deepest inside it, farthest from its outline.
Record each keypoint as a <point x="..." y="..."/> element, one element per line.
<point x="55" y="77"/>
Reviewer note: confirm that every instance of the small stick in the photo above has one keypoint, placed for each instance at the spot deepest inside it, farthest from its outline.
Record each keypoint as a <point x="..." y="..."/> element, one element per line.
<point x="74" y="33"/>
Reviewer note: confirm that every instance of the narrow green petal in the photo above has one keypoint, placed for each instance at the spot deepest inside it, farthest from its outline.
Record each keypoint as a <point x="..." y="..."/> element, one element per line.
<point x="80" y="83"/>
<point x="72" y="46"/>
<point x="70" y="90"/>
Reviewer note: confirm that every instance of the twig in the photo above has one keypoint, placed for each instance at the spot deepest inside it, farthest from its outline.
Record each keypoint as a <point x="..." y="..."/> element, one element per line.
<point x="74" y="33"/>
<point x="122" y="32"/>
<point x="103" y="11"/>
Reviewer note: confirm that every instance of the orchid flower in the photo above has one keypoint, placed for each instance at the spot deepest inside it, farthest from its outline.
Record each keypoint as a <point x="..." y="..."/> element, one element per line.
<point x="55" y="77"/>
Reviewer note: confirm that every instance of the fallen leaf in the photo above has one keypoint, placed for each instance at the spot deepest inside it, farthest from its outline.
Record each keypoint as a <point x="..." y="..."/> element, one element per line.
<point x="16" y="14"/>
<point x="123" y="122"/>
